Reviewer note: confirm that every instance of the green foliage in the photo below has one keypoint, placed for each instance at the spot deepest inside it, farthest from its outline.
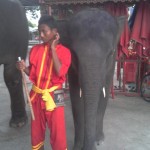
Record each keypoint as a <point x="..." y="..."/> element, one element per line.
<point x="30" y="24"/>
<point x="33" y="10"/>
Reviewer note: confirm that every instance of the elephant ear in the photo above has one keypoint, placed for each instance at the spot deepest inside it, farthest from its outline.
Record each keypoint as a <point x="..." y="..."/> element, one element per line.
<point x="63" y="31"/>
<point x="121" y="23"/>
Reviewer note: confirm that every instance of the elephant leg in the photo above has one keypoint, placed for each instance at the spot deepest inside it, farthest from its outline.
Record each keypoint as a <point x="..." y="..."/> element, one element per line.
<point x="77" y="109"/>
<point x="100" y="116"/>
<point x="13" y="82"/>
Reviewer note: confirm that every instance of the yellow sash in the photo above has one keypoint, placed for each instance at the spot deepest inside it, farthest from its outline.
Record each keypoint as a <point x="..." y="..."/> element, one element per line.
<point x="49" y="102"/>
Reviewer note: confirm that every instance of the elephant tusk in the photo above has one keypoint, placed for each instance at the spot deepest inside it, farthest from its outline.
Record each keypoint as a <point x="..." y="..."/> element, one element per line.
<point x="80" y="93"/>
<point x="104" y="92"/>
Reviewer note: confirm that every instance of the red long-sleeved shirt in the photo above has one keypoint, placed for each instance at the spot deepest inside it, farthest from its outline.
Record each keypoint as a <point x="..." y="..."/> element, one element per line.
<point x="35" y="60"/>
<point x="40" y="62"/>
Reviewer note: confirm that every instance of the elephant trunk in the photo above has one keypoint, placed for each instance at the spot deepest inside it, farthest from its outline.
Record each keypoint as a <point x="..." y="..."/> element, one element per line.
<point x="92" y="80"/>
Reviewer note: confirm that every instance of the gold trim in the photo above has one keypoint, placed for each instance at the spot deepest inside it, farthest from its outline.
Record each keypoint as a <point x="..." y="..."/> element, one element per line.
<point x="42" y="64"/>
<point x="37" y="146"/>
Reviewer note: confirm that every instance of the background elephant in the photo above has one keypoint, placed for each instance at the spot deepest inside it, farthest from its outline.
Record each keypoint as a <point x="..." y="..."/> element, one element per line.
<point x="13" y="43"/>
<point x="93" y="36"/>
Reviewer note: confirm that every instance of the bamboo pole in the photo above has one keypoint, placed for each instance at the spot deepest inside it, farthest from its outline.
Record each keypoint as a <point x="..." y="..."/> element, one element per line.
<point x="27" y="92"/>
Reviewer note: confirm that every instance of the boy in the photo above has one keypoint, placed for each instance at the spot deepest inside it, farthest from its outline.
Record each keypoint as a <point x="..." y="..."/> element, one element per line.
<point x="48" y="65"/>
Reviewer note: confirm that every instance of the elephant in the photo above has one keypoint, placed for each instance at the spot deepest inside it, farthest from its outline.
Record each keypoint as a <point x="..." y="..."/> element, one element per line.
<point x="13" y="43"/>
<point x="92" y="36"/>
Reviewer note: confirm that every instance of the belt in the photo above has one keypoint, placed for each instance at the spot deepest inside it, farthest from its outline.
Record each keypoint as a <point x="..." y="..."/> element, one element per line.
<point x="46" y="96"/>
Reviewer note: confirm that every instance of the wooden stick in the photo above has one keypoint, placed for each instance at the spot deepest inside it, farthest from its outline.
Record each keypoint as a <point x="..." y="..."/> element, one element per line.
<point x="27" y="92"/>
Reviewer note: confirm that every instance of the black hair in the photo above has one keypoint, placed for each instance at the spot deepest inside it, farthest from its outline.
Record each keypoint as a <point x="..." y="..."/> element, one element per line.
<point x="49" y="21"/>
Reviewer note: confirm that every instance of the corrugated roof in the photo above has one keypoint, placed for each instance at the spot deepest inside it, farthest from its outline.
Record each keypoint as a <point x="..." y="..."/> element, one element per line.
<point x="62" y="2"/>
<point x="29" y="2"/>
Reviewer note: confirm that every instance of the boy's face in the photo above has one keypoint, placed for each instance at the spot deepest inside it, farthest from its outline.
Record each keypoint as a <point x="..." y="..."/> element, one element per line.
<point x="46" y="33"/>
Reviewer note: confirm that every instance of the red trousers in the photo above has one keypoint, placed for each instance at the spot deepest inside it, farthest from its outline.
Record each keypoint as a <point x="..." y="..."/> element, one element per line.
<point x="55" y="121"/>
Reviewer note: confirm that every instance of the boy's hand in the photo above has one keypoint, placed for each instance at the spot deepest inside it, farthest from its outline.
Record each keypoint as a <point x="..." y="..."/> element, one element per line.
<point x="20" y="65"/>
<point x="55" y="41"/>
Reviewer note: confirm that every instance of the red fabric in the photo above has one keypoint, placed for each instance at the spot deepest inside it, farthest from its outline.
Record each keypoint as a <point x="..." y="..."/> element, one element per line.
<point x="141" y="29"/>
<point x="35" y="64"/>
<point x="54" y="119"/>
<point x="130" y="70"/>
<point x="35" y="61"/>
<point x="56" y="123"/>
<point x="120" y="9"/>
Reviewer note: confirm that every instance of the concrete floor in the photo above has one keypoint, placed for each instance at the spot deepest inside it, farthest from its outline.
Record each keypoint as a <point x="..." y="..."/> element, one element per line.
<point x="126" y="124"/>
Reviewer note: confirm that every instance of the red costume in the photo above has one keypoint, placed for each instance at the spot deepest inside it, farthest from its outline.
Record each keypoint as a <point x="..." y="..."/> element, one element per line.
<point x="43" y="76"/>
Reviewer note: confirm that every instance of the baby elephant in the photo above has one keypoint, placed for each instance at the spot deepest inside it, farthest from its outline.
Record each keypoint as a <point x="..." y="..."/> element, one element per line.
<point x="93" y="35"/>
